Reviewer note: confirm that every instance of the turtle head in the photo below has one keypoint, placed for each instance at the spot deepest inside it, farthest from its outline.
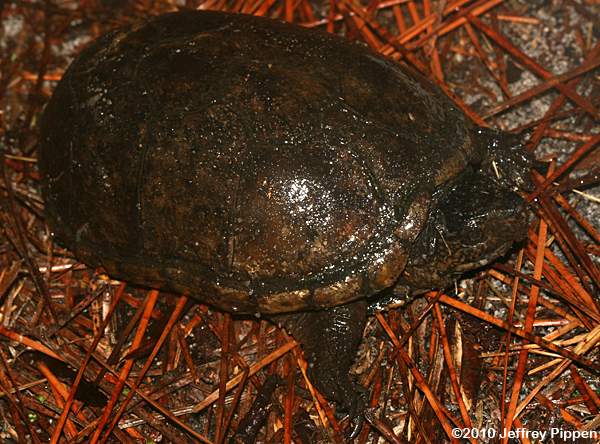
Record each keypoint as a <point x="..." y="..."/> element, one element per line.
<point x="472" y="221"/>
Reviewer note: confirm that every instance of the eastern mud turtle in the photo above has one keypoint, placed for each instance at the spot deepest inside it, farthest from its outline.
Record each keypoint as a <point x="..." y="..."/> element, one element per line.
<point x="266" y="168"/>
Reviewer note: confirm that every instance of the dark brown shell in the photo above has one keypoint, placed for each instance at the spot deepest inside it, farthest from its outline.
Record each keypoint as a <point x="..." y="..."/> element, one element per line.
<point x="258" y="165"/>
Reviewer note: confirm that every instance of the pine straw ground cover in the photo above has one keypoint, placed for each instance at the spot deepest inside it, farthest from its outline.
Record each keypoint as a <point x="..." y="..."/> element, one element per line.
<point x="513" y="347"/>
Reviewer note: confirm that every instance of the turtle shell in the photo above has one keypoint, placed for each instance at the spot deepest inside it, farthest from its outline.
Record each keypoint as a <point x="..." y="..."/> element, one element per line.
<point x="257" y="165"/>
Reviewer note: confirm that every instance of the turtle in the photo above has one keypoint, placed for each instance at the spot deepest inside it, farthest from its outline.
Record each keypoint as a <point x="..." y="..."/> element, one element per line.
<point x="269" y="169"/>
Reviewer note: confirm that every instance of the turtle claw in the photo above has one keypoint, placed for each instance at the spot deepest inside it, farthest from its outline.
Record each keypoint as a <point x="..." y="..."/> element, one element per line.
<point x="356" y="413"/>
<point x="351" y="401"/>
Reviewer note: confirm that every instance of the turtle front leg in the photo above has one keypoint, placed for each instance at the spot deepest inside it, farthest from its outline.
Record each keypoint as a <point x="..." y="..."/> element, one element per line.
<point x="330" y="340"/>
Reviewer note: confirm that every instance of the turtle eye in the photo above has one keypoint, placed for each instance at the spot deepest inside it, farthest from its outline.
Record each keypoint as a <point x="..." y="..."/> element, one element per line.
<point x="473" y="166"/>
<point x="473" y="232"/>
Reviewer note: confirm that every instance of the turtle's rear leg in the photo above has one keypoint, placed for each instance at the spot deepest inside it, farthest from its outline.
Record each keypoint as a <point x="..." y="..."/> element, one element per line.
<point x="330" y="340"/>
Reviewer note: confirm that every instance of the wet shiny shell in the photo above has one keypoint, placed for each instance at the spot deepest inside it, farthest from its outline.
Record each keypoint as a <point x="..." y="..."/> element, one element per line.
<point x="259" y="166"/>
